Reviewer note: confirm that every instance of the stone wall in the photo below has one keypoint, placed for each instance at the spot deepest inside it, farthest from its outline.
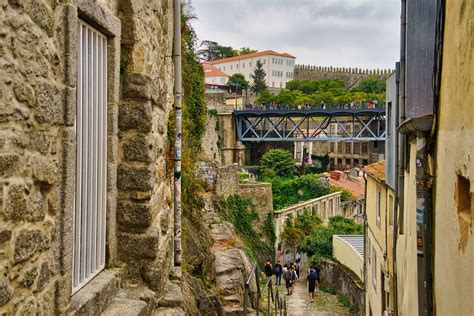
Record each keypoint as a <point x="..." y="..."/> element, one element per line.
<point x="38" y="145"/>
<point x="351" y="76"/>
<point x="227" y="181"/>
<point x="334" y="274"/>
<point x="261" y="196"/>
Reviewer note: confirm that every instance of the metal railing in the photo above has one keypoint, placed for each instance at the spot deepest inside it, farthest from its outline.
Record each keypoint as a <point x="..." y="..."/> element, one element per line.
<point x="279" y="302"/>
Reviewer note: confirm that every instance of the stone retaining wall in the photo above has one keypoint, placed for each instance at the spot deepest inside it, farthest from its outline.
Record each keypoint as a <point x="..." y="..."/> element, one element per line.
<point x="334" y="274"/>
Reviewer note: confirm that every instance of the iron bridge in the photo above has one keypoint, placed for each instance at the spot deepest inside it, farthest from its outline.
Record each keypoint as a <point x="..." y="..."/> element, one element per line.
<point x="311" y="125"/>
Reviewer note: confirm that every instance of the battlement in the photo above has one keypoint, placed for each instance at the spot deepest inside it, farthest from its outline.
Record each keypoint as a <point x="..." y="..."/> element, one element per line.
<point x="347" y="70"/>
<point x="350" y="75"/>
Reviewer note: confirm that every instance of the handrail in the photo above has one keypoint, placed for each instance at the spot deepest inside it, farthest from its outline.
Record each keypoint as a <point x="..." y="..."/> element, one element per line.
<point x="273" y="295"/>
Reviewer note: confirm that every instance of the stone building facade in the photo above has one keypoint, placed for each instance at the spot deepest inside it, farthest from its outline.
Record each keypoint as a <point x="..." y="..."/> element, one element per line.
<point x="40" y="63"/>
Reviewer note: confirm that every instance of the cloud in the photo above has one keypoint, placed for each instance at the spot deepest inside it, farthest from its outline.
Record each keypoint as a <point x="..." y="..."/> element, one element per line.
<point x="357" y="33"/>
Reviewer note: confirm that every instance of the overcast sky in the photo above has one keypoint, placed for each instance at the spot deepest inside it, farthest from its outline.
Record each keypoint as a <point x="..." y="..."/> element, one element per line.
<point x="355" y="33"/>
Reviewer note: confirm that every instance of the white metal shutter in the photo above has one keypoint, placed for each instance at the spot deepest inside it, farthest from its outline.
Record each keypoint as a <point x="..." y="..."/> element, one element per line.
<point x="91" y="137"/>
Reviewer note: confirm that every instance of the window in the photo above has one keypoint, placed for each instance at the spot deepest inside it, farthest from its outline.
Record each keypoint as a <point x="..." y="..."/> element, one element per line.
<point x="348" y="148"/>
<point x="243" y="65"/>
<point x="91" y="155"/>
<point x="390" y="210"/>
<point x="365" y="149"/>
<point x="224" y="68"/>
<point x="374" y="268"/>
<point x="389" y="119"/>
<point x="250" y="63"/>
<point x="331" y="147"/>
<point x="264" y="61"/>
<point x="237" y="66"/>
<point x="230" y="67"/>
<point x="376" y="144"/>
<point x="339" y="148"/>
<point x="378" y="198"/>
<point x="356" y="148"/>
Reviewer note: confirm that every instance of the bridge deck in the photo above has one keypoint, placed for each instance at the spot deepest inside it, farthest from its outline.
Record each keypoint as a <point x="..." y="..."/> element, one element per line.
<point x="310" y="112"/>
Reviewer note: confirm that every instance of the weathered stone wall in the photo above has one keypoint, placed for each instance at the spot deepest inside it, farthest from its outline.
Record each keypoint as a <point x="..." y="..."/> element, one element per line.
<point x="335" y="275"/>
<point x="261" y="196"/>
<point x="351" y="76"/>
<point x="227" y="181"/>
<point x="38" y="145"/>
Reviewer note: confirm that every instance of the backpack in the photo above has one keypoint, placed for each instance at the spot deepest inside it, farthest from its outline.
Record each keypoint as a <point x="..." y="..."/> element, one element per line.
<point x="312" y="274"/>
<point x="287" y="275"/>
<point x="277" y="268"/>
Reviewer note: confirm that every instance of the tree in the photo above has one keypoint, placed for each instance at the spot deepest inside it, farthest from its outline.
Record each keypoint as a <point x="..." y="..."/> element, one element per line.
<point x="265" y="97"/>
<point x="259" y="85"/>
<point x="246" y="50"/>
<point x="211" y="50"/>
<point x="280" y="161"/>
<point x="237" y="80"/>
<point x="370" y="85"/>
<point x="291" y="235"/>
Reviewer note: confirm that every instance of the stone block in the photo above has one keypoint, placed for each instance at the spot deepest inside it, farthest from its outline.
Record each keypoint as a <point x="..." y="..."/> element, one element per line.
<point x="5" y="235"/>
<point x="28" y="243"/>
<point x="42" y="15"/>
<point x="138" y="246"/>
<point x="134" y="216"/>
<point x="156" y="272"/>
<point x="173" y="297"/>
<point x="39" y="141"/>
<point x="71" y="104"/>
<point x="29" y="277"/>
<point x="45" y="170"/>
<point x="135" y="178"/>
<point x="49" y="104"/>
<point x="135" y="115"/>
<point x="8" y="164"/>
<point x="24" y="93"/>
<point x="138" y="148"/>
<point x="43" y="277"/>
<point x="6" y="293"/>
<point x="140" y="86"/>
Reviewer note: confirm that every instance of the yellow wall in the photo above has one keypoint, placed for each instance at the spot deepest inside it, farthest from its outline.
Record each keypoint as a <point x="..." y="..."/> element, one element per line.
<point x="374" y="292"/>
<point x="348" y="256"/>
<point x="377" y="228"/>
<point x="407" y="275"/>
<point x="454" y="250"/>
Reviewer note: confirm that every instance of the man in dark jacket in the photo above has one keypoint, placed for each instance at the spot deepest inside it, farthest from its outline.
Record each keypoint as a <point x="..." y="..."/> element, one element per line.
<point x="278" y="270"/>
<point x="268" y="269"/>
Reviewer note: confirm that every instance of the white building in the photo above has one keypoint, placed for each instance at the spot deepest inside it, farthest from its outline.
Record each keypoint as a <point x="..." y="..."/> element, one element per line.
<point x="279" y="67"/>
<point x="212" y="75"/>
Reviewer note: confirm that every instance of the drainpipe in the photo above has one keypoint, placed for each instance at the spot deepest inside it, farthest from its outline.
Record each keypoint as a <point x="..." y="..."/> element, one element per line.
<point x="177" y="130"/>
<point x="401" y="146"/>
<point x="396" y="189"/>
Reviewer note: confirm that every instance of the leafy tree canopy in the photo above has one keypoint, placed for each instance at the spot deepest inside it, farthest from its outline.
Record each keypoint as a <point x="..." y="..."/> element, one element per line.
<point x="328" y="91"/>
<point x="370" y="85"/>
<point x="319" y="243"/>
<point x="277" y="162"/>
<point x="259" y="85"/>
<point x="238" y="80"/>
<point x="211" y="50"/>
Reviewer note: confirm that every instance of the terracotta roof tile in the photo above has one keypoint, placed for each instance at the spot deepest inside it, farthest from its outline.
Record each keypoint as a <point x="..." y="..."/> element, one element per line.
<point x="376" y="170"/>
<point x="257" y="54"/>
<point x="212" y="71"/>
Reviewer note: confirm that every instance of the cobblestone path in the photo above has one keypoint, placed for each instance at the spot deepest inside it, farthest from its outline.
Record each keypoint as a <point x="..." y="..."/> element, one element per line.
<point x="299" y="303"/>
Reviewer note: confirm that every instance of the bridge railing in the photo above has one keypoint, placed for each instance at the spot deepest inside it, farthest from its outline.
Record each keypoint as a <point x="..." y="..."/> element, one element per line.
<point x="320" y="106"/>
<point x="273" y="296"/>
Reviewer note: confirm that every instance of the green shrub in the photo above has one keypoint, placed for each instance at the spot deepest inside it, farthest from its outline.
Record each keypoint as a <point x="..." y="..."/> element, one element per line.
<point x="318" y="244"/>
<point x="279" y="161"/>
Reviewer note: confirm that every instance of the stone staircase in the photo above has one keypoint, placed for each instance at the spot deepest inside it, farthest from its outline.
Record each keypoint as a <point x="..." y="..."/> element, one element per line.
<point x="109" y="295"/>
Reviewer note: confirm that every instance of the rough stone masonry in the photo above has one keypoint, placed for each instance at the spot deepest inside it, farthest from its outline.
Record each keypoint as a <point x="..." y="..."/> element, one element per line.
<point x="38" y="80"/>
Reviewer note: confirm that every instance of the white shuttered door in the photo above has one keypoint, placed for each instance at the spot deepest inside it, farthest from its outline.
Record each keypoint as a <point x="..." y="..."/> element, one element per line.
<point x="91" y="137"/>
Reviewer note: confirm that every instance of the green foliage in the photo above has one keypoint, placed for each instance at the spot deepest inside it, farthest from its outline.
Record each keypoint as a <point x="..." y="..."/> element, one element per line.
<point x="243" y="176"/>
<point x="370" y="85"/>
<point x="319" y="243"/>
<point x="241" y="213"/>
<point x="123" y="65"/>
<point x="320" y="164"/>
<point x="194" y="116"/>
<point x="278" y="162"/>
<point x="330" y="92"/>
<point x="344" y="301"/>
<point x="269" y="229"/>
<point x="289" y="191"/>
<point x="265" y="97"/>
<point x="212" y="112"/>
<point x="238" y="81"/>
<point x="246" y="50"/>
<point x="259" y="85"/>
<point x="295" y="230"/>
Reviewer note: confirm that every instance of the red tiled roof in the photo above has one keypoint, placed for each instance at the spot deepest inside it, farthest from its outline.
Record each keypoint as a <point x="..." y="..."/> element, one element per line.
<point x="257" y="54"/>
<point x="212" y="71"/>
<point x="355" y="185"/>
<point x="376" y="170"/>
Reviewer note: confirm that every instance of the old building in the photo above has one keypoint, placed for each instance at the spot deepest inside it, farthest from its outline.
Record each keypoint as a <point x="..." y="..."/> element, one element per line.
<point x="86" y="193"/>
<point x="432" y="168"/>
<point x="378" y="232"/>
<point x="279" y="67"/>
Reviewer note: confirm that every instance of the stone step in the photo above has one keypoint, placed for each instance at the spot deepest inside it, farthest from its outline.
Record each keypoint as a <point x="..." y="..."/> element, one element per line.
<point x="126" y="307"/>
<point x="172" y="297"/>
<point x="96" y="295"/>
